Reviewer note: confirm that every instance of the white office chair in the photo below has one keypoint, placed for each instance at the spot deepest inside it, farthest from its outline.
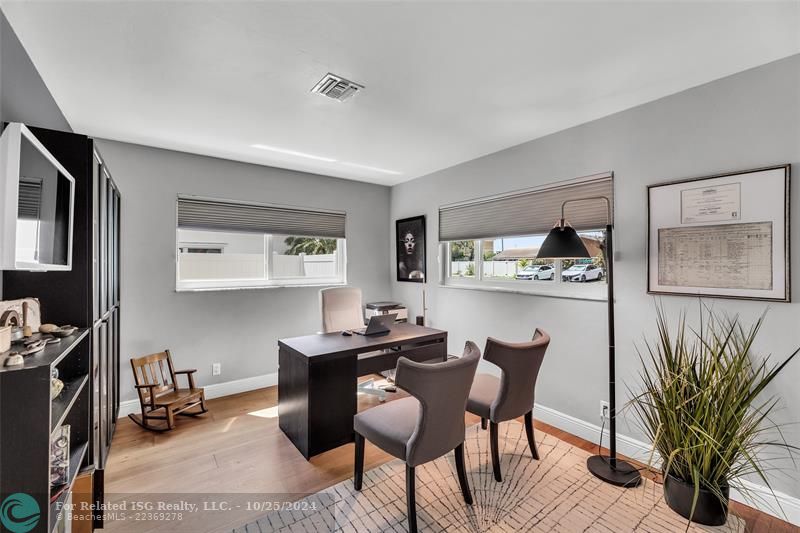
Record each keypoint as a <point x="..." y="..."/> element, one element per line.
<point x="341" y="309"/>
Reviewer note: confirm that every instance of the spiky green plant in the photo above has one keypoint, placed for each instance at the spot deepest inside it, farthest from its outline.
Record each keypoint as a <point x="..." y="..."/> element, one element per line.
<point x="701" y="403"/>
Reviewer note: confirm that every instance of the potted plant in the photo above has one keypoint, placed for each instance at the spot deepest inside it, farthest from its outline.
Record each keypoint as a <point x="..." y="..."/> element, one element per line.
<point x="701" y="406"/>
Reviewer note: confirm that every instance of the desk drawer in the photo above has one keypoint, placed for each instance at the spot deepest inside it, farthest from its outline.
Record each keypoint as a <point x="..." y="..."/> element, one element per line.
<point x="387" y="359"/>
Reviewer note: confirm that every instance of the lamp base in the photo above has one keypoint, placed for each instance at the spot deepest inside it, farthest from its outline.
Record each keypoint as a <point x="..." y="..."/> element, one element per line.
<point x="624" y="475"/>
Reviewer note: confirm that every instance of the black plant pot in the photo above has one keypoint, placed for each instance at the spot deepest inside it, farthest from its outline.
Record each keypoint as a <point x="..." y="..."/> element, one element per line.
<point x="710" y="510"/>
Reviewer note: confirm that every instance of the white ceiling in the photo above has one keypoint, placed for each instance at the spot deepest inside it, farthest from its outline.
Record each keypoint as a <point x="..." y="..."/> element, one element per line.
<point x="445" y="82"/>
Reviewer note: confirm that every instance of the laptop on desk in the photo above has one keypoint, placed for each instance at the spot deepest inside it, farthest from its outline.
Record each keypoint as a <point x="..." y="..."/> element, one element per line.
<point x="378" y="325"/>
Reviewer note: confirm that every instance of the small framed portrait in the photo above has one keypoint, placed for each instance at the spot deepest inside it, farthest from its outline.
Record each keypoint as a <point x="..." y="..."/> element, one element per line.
<point x="411" y="249"/>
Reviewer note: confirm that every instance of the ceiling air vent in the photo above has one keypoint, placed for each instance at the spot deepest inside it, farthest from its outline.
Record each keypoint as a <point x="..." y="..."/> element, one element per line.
<point x="336" y="87"/>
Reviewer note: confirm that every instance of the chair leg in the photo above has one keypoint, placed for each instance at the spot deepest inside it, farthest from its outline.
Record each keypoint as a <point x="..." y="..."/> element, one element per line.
<point x="495" y="452"/>
<point x="462" y="474"/>
<point x="529" y="431"/>
<point x="483" y="423"/>
<point x="203" y="403"/>
<point x="359" y="462"/>
<point x="170" y="418"/>
<point x="143" y="421"/>
<point x="411" y="499"/>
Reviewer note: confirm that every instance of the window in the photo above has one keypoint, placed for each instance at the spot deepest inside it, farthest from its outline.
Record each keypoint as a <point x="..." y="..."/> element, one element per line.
<point x="492" y="242"/>
<point x="462" y="259"/>
<point x="222" y="246"/>
<point x="510" y="263"/>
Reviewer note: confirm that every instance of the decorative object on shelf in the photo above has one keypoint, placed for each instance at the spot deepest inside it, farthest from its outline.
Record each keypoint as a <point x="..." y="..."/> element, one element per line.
<point x="14" y="359"/>
<point x="9" y="318"/>
<point x="56" y="385"/>
<point x="27" y="330"/>
<point x="709" y="379"/>
<point x="5" y="338"/>
<point x="11" y="311"/>
<point x="32" y="341"/>
<point x="47" y="328"/>
<point x="725" y="236"/>
<point x="33" y="346"/>
<point x="411" y="249"/>
<point x="563" y="242"/>
<point x="59" y="456"/>
<point x="16" y="335"/>
<point x="64" y="331"/>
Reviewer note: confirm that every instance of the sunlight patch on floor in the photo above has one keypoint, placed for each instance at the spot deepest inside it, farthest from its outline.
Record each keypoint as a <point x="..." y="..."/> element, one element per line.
<point x="269" y="412"/>
<point x="229" y="424"/>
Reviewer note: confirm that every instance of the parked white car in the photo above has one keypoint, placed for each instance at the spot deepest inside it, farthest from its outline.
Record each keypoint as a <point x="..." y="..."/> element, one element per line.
<point x="582" y="273"/>
<point x="537" y="272"/>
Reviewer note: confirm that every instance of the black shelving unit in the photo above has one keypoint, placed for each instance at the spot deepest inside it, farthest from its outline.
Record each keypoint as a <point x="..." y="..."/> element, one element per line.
<point x="87" y="296"/>
<point x="29" y="419"/>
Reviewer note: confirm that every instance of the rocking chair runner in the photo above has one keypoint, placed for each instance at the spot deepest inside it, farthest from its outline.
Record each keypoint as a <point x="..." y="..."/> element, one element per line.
<point x="158" y="389"/>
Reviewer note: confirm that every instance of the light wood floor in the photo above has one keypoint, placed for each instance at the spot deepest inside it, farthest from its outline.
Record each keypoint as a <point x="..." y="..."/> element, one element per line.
<point x="238" y="448"/>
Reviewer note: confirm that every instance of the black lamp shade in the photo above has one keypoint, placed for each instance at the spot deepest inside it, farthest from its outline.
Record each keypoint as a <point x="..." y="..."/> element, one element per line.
<point x="562" y="242"/>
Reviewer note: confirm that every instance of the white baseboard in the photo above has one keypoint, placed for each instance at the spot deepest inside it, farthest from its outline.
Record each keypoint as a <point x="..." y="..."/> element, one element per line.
<point x="216" y="390"/>
<point x="779" y="504"/>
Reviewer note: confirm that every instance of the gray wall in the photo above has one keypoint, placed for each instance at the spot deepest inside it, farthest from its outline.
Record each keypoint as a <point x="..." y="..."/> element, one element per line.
<point x="745" y="121"/>
<point x="23" y="95"/>
<point x="237" y="328"/>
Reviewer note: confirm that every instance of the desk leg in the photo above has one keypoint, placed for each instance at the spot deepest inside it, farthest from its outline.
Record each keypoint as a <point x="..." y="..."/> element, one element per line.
<point x="333" y="404"/>
<point x="316" y="401"/>
<point x="293" y="399"/>
<point x="444" y="348"/>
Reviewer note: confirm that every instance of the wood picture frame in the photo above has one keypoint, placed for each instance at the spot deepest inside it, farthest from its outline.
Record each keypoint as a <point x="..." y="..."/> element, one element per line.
<point x="410" y="240"/>
<point x="721" y="236"/>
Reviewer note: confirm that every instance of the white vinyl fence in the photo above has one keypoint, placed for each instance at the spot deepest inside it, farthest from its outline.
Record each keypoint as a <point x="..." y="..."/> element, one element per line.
<point x="221" y="266"/>
<point x="491" y="269"/>
<point x="252" y="266"/>
<point x="306" y="266"/>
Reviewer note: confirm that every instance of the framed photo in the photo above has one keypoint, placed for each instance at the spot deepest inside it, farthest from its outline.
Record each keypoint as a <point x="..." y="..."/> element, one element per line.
<point x="411" y="249"/>
<point x="724" y="236"/>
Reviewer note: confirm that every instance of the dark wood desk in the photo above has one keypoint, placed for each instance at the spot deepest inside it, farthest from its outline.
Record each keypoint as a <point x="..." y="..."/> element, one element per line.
<point x="317" y="377"/>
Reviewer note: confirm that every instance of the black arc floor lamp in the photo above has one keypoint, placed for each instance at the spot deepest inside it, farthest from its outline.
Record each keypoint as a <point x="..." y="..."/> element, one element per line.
<point x="563" y="242"/>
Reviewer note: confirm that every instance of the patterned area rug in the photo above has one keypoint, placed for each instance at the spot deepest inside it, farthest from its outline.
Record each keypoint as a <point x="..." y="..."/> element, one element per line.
<point x="555" y="494"/>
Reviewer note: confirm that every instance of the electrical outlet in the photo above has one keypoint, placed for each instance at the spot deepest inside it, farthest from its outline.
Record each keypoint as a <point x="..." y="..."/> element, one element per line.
<point x="604" y="410"/>
<point x="216" y="369"/>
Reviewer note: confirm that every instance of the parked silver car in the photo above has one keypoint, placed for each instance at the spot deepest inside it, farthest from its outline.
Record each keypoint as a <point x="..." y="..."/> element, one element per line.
<point x="582" y="273"/>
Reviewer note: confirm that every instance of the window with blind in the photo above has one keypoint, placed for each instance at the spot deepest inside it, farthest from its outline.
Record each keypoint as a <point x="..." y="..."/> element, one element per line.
<point x="492" y="243"/>
<point x="225" y="244"/>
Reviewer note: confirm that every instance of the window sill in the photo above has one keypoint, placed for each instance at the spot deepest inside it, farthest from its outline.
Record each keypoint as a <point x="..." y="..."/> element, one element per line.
<point x="594" y="294"/>
<point x="321" y="284"/>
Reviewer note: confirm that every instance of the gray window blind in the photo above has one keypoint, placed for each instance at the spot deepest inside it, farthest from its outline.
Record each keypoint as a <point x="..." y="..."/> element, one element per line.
<point x="30" y="199"/>
<point x="528" y="212"/>
<point x="228" y="215"/>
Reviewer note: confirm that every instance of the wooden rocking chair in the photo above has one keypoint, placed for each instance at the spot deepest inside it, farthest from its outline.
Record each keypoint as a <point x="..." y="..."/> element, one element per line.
<point x="158" y="389"/>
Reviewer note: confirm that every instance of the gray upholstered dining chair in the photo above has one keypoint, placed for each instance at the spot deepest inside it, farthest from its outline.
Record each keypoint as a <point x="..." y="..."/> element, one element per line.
<point x="425" y="425"/>
<point x="512" y="394"/>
